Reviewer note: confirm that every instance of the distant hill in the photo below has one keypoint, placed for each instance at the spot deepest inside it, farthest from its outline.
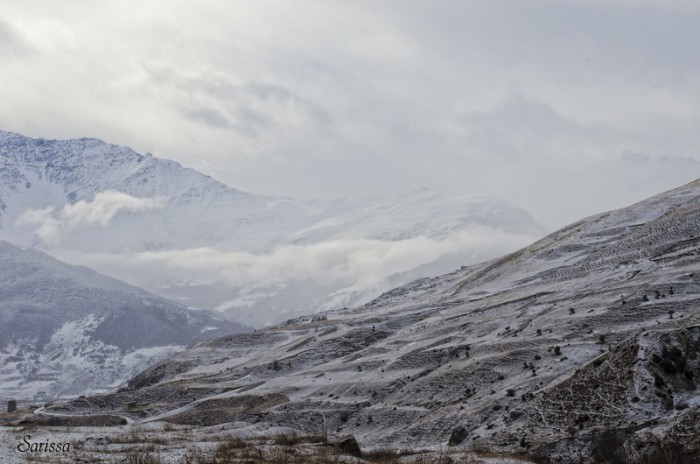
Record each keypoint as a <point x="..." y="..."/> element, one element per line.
<point x="67" y="329"/>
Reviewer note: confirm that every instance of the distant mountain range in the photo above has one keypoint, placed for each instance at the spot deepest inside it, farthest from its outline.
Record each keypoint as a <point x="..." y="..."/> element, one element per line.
<point x="257" y="259"/>
<point x="581" y="347"/>
<point x="68" y="330"/>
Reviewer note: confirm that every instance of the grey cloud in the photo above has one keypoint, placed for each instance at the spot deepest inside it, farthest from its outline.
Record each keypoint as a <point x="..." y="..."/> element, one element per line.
<point x="523" y="149"/>
<point x="249" y="109"/>
<point x="208" y="116"/>
<point x="639" y="40"/>
<point x="515" y="99"/>
<point x="524" y="126"/>
<point x="11" y="41"/>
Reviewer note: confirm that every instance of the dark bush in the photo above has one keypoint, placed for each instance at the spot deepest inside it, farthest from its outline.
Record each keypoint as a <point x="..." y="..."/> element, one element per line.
<point x="609" y="448"/>
<point x="667" y="453"/>
<point x="668" y="366"/>
<point x="658" y="381"/>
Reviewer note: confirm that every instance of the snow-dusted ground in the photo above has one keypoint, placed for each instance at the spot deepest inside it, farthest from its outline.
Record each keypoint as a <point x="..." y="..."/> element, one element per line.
<point x="596" y="327"/>
<point x="182" y="444"/>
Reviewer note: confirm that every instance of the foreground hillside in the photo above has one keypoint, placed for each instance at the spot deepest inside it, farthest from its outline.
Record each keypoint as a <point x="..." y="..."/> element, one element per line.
<point x="583" y="342"/>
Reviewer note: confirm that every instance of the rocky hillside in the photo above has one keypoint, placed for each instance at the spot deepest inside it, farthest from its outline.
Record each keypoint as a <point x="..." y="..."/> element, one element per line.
<point x="586" y="341"/>
<point x="67" y="330"/>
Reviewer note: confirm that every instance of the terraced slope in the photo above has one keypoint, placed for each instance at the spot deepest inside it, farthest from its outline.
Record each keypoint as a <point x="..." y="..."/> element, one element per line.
<point x="593" y="330"/>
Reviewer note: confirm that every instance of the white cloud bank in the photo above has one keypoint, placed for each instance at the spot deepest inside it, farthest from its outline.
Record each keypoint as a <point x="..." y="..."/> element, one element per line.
<point x="52" y="224"/>
<point x="360" y="267"/>
<point x="364" y="262"/>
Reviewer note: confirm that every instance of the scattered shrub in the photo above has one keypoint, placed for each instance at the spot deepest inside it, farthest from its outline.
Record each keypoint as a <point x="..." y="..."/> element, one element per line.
<point x="141" y="456"/>
<point x="609" y="448"/>
<point x="658" y="381"/>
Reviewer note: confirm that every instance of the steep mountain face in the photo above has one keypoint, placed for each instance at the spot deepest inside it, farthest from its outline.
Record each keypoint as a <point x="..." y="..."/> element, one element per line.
<point x="183" y="235"/>
<point x="585" y="341"/>
<point x="67" y="329"/>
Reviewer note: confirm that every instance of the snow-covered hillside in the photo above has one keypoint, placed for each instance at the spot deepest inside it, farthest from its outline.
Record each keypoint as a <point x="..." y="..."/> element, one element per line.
<point x="583" y="342"/>
<point x="183" y="235"/>
<point x="67" y="330"/>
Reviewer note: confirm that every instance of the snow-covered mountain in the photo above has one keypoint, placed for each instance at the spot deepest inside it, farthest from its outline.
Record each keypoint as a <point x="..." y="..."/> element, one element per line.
<point x="67" y="329"/>
<point x="258" y="259"/>
<point x="582" y="347"/>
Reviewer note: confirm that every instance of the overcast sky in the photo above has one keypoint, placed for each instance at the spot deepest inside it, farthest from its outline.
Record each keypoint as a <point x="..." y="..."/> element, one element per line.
<point x="565" y="108"/>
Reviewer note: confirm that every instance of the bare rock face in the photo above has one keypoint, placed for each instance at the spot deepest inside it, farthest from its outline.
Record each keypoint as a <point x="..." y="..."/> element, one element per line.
<point x="586" y="339"/>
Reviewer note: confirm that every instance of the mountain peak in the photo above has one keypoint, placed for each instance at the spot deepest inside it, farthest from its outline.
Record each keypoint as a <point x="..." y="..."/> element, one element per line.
<point x="179" y="233"/>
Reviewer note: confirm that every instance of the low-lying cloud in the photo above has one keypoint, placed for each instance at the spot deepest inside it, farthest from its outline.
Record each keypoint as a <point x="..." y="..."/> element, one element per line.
<point x="52" y="224"/>
<point x="359" y="266"/>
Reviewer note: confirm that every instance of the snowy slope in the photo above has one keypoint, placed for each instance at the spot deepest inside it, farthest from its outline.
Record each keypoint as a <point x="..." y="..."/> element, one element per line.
<point x="183" y="235"/>
<point x="67" y="329"/>
<point x="592" y="330"/>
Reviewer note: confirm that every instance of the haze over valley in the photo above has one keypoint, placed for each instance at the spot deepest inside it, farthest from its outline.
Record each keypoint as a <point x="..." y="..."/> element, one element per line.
<point x="256" y="259"/>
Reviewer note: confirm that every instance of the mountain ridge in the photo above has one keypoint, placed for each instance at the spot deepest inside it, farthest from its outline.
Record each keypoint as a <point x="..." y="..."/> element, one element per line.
<point x="153" y="223"/>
